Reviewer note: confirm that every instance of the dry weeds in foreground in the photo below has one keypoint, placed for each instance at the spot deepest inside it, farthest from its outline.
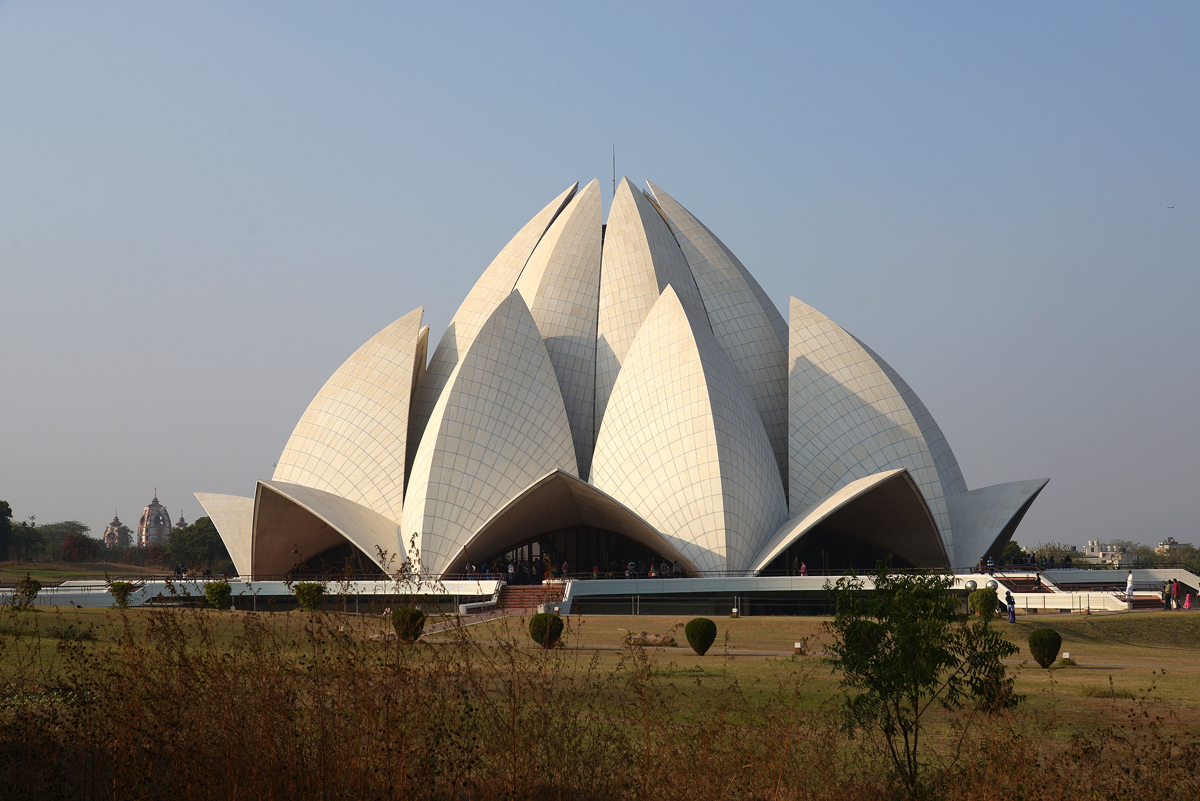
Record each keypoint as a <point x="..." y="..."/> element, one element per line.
<point x="321" y="709"/>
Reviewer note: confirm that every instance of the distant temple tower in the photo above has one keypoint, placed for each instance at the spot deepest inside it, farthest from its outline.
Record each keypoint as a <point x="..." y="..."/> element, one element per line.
<point x="112" y="534"/>
<point x="180" y="523"/>
<point x="154" y="524"/>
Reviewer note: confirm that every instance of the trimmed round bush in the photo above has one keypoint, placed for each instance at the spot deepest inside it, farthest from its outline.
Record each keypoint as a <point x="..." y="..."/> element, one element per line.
<point x="1044" y="644"/>
<point x="700" y="634"/>
<point x="308" y="595"/>
<point x="120" y="593"/>
<point x="218" y="594"/>
<point x="984" y="601"/>
<point x="545" y="628"/>
<point x="409" y="622"/>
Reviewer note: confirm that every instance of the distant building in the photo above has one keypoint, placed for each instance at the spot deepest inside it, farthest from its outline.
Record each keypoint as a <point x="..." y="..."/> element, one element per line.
<point x="112" y="534"/>
<point x="180" y="523"/>
<point x="154" y="525"/>
<point x="1095" y="551"/>
<point x="1167" y="546"/>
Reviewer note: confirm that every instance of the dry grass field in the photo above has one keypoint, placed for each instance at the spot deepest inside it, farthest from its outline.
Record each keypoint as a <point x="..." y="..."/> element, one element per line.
<point x="199" y="703"/>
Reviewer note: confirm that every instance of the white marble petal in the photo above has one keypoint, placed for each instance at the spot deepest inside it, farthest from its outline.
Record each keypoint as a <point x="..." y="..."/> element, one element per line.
<point x="317" y="520"/>
<point x="561" y="286"/>
<point x="499" y="425"/>
<point x="683" y="446"/>
<point x="233" y="516"/>
<point x="847" y="420"/>
<point x="640" y="259"/>
<point x="988" y="516"/>
<point x="351" y="439"/>
<point x="738" y="319"/>
<point x="492" y="288"/>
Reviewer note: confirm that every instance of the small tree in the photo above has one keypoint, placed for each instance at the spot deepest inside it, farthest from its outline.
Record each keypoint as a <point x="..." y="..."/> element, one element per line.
<point x="1043" y="645"/>
<point x="700" y="633"/>
<point x="26" y="591"/>
<point x="984" y="601"/>
<point x="308" y="595"/>
<point x="120" y="591"/>
<point x="903" y="648"/>
<point x="218" y="594"/>
<point x="545" y="628"/>
<point x="409" y="622"/>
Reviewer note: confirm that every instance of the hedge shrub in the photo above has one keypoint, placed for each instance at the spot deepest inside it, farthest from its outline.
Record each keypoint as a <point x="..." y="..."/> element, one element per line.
<point x="308" y="595"/>
<point x="25" y="591"/>
<point x="1044" y="644"/>
<point x="545" y="628"/>
<point x="120" y="593"/>
<point x="700" y="634"/>
<point x="409" y="622"/>
<point x="218" y="594"/>
<point x="985" y="601"/>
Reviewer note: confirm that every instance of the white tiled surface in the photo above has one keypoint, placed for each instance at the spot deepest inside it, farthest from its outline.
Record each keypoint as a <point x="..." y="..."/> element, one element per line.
<point x="799" y="525"/>
<point x="351" y="439"/>
<point x="369" y="531"/>
<point x="847" y="420"/>
<point x="499" y="425"/>
<point x="979" y="516"/>
<point x="233" y="516"/>
<point x="561" y="286"/>
<point x="489" y="292"/>
<point x="939" y="447"/>
<point x="683" y="446"/>
<point x="640" y="258"/>
<point x="738" y="321"/>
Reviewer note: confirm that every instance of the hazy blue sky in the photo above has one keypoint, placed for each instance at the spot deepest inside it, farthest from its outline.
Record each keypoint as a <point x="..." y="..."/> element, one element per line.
<point x="206" y="207"/>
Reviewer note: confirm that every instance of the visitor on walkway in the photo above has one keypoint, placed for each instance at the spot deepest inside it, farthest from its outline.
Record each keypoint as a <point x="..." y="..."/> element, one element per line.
<point x="676" y="570"/>
<point x="1129" y="587"/>
<point x="1166" y="595"/>
<point x="991" y="566"/>
<point x="1175" y="593"/>
<point x="803" y="569"/>
<point x="566" y="568"/>
<point x="1187" y="601"/>
<point x="1012" y="606"/>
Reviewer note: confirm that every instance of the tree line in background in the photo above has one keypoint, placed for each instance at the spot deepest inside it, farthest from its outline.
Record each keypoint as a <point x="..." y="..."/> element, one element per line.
<point x="1182" y="554"/>
<point x="197" y="546"/>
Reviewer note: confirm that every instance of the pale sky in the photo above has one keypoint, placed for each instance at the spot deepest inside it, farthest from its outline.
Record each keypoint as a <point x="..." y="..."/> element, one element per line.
<point x="206" y="207"/>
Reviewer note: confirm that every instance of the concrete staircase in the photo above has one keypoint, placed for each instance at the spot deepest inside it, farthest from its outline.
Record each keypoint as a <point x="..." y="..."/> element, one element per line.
<point x="527" y="597"/>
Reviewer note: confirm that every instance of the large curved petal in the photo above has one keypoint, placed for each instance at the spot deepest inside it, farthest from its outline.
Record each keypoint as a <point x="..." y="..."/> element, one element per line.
<point x="492" y="288"/>
<point x="683" y="446"/>
<point x="350" y="440"/>
<point x="738" y="319"/>
<point x="847" y="420"/>
<point x="641" y="257"/>
<point x="561" y="286"/>
<point x="885" y="510"/>
<point x="985" y="519"/>
<point x="233" y="515"/>
<point x="557" y="501"/>
<point x="499" y="425"/>
<point x="293" y="523"/>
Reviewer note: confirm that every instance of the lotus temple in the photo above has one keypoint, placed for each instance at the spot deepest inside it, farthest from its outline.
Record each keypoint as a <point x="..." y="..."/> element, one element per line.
<point x="615" y="392"/>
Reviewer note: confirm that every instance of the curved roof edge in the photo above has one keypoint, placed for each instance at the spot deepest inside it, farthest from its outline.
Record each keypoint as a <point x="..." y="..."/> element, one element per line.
<point x="916" y="550"/>
<point x="274" y="528"/>
<point x="560" y="500"/>
<point x="985" y="518"/>
<point x="233" y="515"/>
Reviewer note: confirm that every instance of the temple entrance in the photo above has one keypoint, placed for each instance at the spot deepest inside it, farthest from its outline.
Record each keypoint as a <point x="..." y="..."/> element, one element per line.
<point x="588" y="551"/>
<point x="342" y="560"/>
<point x="824" y="552"/>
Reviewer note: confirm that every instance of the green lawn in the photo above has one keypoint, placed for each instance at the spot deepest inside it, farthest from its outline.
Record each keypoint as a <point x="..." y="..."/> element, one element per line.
<point x="57" y="572"/>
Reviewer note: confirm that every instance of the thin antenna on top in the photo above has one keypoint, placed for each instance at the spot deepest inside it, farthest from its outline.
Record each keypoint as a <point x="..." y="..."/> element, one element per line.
<point x="614" y="170"/>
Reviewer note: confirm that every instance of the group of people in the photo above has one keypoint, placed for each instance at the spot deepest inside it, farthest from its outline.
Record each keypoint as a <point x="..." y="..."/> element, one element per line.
<point x="182" y="573"/>
<point x="987" y="564"/>
<point x="1170" y="596"/>
<point x="665" y="569"/>
<point x="517" y="572"/>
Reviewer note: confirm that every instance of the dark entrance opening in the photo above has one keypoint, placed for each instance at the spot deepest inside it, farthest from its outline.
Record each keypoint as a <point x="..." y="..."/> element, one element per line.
<point x="342" y="560"/>
<point x="825" y="552"/>
<point x="586" y="549"/>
